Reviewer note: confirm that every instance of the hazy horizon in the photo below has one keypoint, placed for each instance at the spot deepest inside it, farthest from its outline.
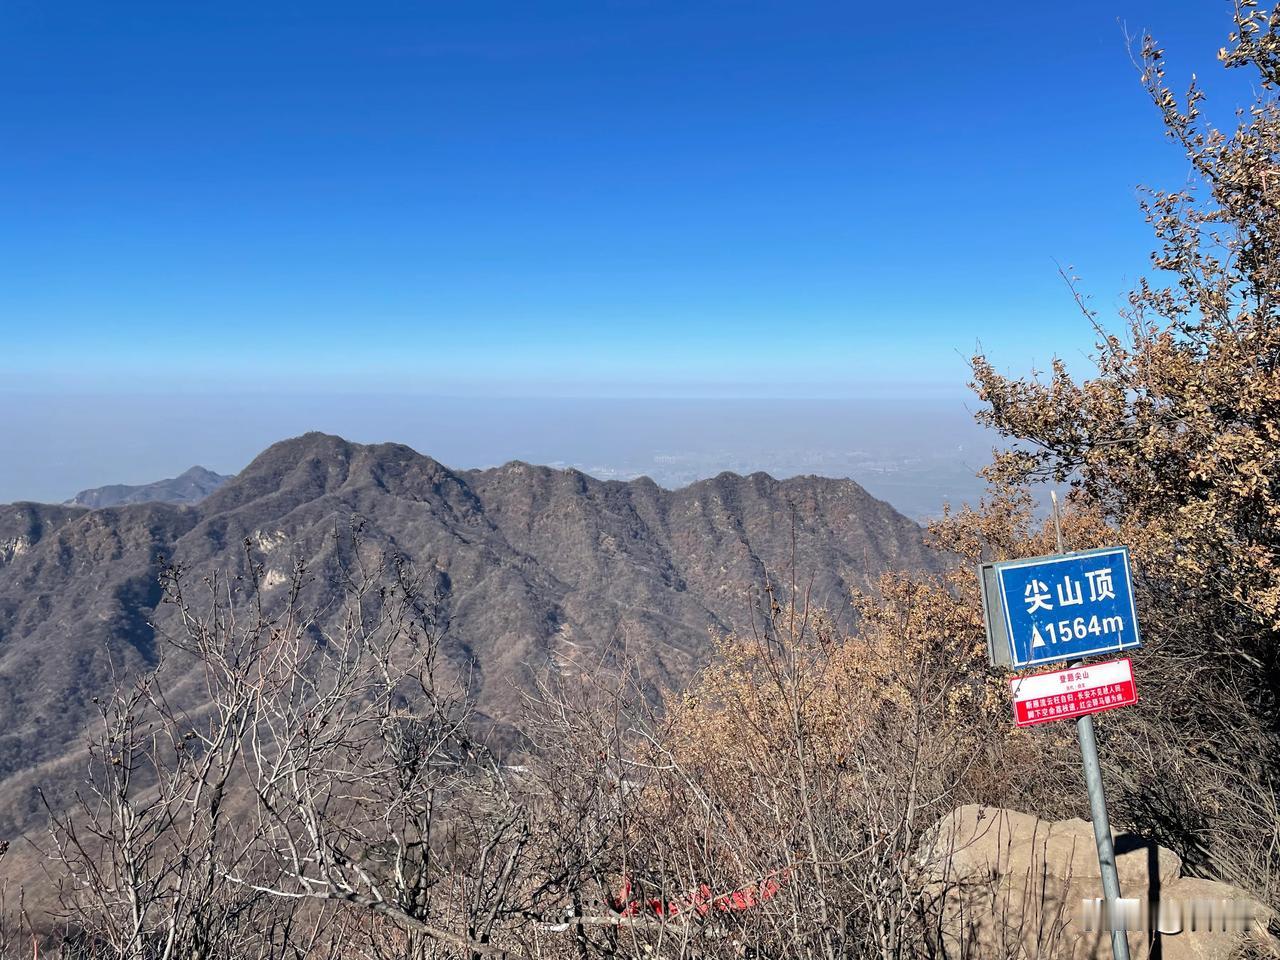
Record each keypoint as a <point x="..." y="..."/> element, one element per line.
<point x="229" y="225"/>
<point x="914" y="454"/>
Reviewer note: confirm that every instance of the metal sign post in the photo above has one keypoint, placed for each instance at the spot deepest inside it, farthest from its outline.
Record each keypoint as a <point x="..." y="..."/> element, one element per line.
<point x="1098" y="797"/>
<point x="1102" y="834"/>
<point x="1065" y="607"/>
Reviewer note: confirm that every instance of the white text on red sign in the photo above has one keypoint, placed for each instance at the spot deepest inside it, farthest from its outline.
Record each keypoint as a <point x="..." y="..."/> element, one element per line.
<point x="1066" y="694"/>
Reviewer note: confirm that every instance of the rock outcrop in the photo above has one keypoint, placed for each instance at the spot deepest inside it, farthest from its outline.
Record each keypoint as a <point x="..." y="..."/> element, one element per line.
<point x="1011" y="884"/>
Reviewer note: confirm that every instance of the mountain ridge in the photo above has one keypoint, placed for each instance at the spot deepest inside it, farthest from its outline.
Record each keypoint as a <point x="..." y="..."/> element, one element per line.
<point x="191" y="486"/>
<point x="535" y="565"/>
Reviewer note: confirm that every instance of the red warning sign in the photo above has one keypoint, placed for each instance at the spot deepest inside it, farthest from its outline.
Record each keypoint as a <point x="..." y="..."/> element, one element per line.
<point x="1066" y="694"/>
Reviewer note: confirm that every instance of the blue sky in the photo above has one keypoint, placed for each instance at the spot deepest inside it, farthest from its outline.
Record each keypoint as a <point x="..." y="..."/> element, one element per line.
<point x="220" y="220"/>
<point x="597" y="198"/>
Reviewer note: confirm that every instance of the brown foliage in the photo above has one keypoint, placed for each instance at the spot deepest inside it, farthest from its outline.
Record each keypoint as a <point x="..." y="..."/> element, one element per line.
<point x="1173" y="447"/>
<point x="778" y="805"/>
<point x="1176" y="440"/>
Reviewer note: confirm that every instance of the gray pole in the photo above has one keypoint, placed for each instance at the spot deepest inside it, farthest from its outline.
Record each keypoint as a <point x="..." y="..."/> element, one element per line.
<point x="1102" y="835"/>
<point x="1098" y="804"/>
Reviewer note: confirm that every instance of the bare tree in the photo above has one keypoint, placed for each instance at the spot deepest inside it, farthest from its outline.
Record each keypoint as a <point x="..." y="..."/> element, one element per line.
<point x="775" y="808"/>
<point x="330" y="773"/>
<point x="146" y="846"/>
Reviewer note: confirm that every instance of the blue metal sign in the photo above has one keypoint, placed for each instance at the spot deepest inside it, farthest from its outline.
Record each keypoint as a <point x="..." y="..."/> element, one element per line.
<point x="1068" y="606"/>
